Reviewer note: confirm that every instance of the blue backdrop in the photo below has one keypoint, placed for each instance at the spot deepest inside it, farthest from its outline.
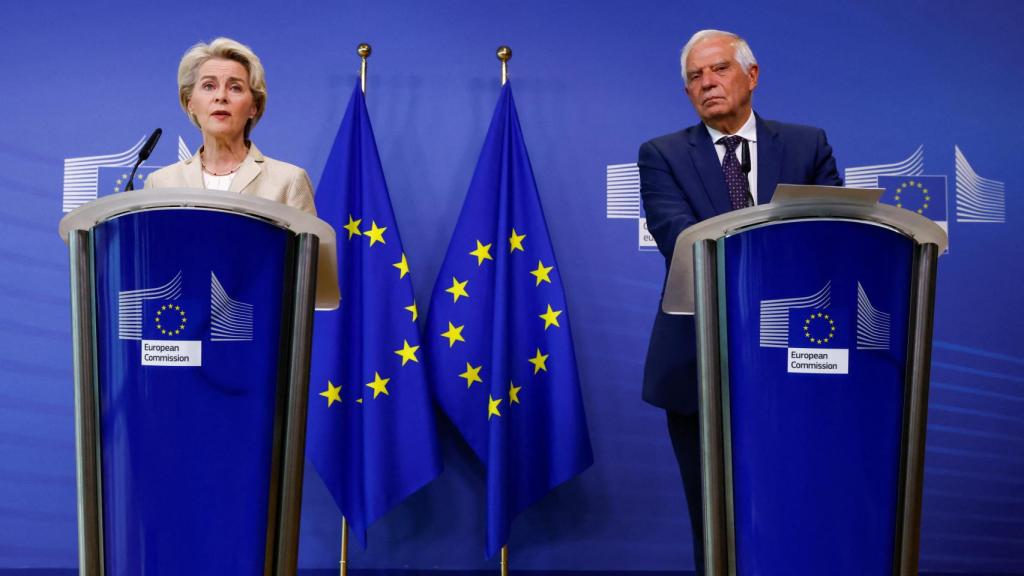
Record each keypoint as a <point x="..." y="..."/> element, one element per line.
<point x="912" y="88"/>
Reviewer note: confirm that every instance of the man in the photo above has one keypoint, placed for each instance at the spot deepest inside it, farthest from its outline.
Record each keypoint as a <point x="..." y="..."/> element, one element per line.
<point x="732" y="159"/>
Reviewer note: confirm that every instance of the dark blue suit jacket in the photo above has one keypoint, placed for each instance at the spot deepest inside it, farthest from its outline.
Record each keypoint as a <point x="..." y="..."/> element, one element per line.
<point x="681" y="183"/>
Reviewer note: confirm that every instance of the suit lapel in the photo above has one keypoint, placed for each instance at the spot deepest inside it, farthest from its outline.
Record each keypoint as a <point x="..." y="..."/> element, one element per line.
<point x="248" y="171"/>
<point x="194" y="172"/>
<point x="769" y="161"/>
<point x="705" y="159"/>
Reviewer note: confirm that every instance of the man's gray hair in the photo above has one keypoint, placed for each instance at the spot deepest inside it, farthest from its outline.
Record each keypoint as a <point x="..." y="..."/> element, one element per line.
<point x="744" y="55"/>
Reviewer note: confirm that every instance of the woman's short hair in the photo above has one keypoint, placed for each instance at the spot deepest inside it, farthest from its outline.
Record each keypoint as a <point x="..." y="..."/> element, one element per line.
<point x="226" y="49"/>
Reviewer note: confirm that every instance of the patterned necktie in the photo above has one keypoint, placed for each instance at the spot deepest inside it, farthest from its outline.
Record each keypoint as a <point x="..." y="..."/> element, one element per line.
<point x="735" y="178"/>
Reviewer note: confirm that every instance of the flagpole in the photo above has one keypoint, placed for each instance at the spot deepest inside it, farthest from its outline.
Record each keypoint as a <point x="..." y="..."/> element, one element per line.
<point x="504" y="54"/>
<point x="504" y="560"/>
<point x="364" y="50"/>
<point x="343" y="565"/>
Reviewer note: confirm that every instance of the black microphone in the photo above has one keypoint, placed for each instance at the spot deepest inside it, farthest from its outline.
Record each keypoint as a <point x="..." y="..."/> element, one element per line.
<point x="147" y="149"/>
<point x="745" y="166"/>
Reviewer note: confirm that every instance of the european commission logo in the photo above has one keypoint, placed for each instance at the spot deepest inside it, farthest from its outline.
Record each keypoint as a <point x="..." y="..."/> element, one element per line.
<point x="168" y="325"/>
<point x="87" y="178"/>
<point x="622" y="200"/>
<point x="978" y="199"/>
<point x="816" y="335"/>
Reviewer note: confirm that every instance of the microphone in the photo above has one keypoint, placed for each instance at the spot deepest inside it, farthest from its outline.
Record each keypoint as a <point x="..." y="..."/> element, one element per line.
<point x="745" y="166"/>
<point x="147" y="149"/>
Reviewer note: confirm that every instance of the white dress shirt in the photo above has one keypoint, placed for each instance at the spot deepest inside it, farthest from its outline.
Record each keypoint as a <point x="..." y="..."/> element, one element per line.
<point x="222" y="183"/>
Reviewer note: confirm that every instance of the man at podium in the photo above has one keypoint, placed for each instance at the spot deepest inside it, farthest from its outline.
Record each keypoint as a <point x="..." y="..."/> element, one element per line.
<point x="732" y="159"/>
<point x="222" y="88"/>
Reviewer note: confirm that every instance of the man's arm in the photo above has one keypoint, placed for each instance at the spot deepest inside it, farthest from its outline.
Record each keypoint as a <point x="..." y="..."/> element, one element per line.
<point x="668" y="211"/>
<point x="825" y="171"/>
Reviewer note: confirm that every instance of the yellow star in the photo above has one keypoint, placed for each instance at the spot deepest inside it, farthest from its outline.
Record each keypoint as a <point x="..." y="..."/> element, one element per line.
<point x="492" y="407"/>
<point x="515" y="242"/>
<point x="542" y="272"/>
<point x="539" y="362"/>
<point x="454" y="334"/>
<point x="551" y="318"/>
<point x="513" y="393"/>
<point x="471" y="375"/>
<point x="408" y="352"/>
<point x="375" y="234"/>
<point x="403" y="267"/>
<point x="482" y="252"/>
<point x="333" y="394"/>
<point x="412" y="308"/>
<point x="379" y="385"/>
<point x="353" y="227"/>
<point x="457" y="289"/>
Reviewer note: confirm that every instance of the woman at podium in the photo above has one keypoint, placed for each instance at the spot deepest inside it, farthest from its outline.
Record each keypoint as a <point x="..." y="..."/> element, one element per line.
<point x="223" y="89"/>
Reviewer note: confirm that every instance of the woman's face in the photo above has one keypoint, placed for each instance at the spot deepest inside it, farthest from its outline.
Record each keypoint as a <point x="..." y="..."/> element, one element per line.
<point x="221" y="99"/>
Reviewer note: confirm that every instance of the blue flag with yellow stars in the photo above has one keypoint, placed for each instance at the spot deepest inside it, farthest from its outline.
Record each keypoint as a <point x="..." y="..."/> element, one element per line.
<point x="371" y="433"/>
<point x="498" y="341"/>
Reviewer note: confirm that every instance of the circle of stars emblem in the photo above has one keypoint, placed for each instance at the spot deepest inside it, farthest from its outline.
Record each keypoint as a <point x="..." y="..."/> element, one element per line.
<point x="904" y="189"/>
<point x="170" y="320"/>
<point x="819" y="328"/>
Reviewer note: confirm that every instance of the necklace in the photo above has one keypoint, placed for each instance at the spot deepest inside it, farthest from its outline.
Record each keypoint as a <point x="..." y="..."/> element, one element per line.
<point x="212" y="173"/>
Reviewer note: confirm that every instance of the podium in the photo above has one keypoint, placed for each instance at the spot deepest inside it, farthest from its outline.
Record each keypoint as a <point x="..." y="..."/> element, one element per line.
<point x="192" y="317"/>
<point x="814" y="325"/>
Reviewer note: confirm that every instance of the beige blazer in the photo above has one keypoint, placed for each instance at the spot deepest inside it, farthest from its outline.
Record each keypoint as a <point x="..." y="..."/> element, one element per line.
<point x="258" y="175"/>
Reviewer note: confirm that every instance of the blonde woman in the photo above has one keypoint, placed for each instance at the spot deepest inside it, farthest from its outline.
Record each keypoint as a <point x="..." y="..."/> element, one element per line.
<point x="223" y="89"/>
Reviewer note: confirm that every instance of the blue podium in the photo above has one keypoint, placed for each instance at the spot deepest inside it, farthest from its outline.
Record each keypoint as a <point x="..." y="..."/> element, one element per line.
<point x="192" y="318"/>
<point x="814" y="325"/>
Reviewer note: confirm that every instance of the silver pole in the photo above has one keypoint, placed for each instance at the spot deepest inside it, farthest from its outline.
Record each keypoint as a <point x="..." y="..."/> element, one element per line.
<point x="295" y="422"/>
<point x="919" y="331"/>
<point x="87" y="433"/>
<point x="710" y="391"/>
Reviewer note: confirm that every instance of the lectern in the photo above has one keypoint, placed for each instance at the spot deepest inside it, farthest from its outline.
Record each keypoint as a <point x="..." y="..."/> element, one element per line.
<point x="814" y="325"/>
<point x="192" y="315"/>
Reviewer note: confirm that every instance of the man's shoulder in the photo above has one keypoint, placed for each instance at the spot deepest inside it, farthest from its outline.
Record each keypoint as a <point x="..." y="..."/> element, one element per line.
<point x="789" y="130"/>
<point x="684" y="136"/>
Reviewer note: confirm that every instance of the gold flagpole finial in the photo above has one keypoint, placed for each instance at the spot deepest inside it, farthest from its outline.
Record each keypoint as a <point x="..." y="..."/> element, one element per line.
<point x="364" y="50"/>
<point x="504" y="54"/>
<point x="504" y="551"/>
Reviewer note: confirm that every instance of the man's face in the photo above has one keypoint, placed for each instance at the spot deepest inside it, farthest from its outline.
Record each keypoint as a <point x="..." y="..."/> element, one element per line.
<point x="717" y="85"/>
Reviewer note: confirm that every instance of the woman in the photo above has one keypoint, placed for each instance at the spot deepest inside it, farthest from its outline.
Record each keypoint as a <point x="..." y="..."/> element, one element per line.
<point x="221" y="86"/>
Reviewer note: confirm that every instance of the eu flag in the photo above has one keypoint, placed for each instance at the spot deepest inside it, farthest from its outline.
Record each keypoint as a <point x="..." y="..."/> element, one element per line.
<point x="371" y="426"/>
<point x="498" y="337"/>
